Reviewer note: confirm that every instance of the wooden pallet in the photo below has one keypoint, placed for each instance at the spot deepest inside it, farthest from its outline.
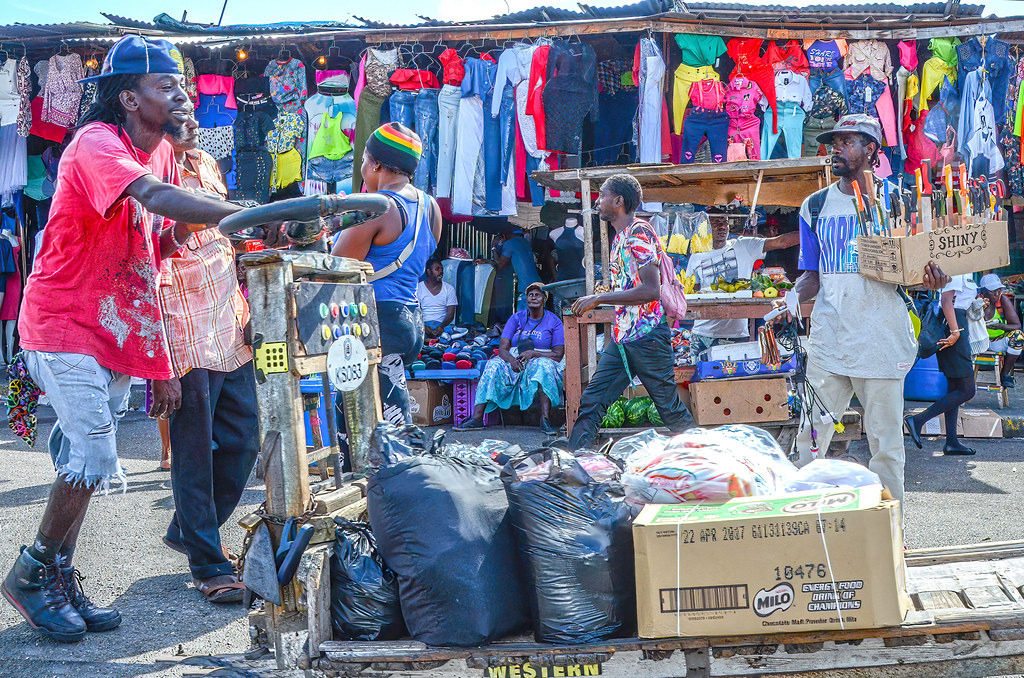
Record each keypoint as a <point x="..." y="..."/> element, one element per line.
<point x="968" y="620"/>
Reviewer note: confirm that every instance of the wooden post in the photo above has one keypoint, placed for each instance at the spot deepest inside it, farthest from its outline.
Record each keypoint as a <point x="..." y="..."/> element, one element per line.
<point x="573" y="370"/>
<point x="280" y="408"/>
<point x="588" y="267"/>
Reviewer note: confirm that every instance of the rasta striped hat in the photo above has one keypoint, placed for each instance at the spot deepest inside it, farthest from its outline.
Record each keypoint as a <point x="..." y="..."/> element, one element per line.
<point x="395" y="145"/>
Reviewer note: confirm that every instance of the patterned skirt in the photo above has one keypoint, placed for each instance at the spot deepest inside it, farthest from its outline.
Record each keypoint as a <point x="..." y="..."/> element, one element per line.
<point x="503" y="388"/>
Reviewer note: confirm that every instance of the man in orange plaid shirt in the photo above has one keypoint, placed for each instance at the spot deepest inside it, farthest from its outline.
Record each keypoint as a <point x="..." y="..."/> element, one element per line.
<point x="215" y="434"/>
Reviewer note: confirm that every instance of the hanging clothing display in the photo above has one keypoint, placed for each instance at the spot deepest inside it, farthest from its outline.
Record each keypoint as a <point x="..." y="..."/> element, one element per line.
<point x="287" y="84"/>
<point x="746" y="52"/>
<point x="787" y="56"/>
<point x="477" y="182"/>
<point x="569" y="96"/>
<point x="651" y="81"/>
<point x="871" y="57"/>
<point x="63" y="93"/>
<point x="685" y="78"/>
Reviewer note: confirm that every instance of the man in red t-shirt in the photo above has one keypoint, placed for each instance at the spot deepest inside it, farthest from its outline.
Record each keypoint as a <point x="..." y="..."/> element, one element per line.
<point x="90" y="320"/>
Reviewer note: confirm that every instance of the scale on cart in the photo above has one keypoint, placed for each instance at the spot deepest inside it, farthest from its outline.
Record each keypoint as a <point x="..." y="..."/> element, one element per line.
<point x="312" y="314"/>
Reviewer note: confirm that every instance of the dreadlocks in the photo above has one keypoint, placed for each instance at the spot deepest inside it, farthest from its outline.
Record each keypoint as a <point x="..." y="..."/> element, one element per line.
<point x="626" y="187"/>
<point x="106" y="107"/>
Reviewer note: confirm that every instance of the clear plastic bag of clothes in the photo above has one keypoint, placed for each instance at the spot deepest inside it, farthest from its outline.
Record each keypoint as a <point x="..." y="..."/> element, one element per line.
<point x="649" y="441"/>
<point x="574" y="537"/>
<point x="823" y="474"/>
<point x="498" y="451"/>
<point x="710" y="465"/>
<point x="391" y="444"/>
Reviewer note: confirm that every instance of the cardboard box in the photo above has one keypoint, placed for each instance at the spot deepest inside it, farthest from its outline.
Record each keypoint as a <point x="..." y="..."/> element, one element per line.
<point x="770" y="565"/>
<point x="970" y="424"/>
<point x="956" y="249"/>
<point x="739" y="401"/>
<point x="431" y="402"/>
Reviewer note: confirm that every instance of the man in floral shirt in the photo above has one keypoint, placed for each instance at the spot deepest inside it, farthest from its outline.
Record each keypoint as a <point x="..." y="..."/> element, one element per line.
<point x="642" y="343"/>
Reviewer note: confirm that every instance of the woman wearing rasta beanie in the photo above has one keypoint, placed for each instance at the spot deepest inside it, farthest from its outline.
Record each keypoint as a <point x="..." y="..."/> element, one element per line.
<point x="398" y="244"/>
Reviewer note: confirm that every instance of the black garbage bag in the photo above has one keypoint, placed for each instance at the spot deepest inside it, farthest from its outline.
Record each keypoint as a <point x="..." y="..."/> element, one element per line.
<point x="575" y="541"/>
<point x="442" y="525"/>
<point x="390" y="444"/>
<point x="364" y="591"/>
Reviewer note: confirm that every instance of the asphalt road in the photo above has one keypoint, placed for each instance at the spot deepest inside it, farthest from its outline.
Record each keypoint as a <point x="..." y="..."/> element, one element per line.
<point x="950" y="500"/>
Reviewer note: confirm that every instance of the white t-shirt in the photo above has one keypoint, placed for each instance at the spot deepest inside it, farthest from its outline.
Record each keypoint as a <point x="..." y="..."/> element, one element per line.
<point x="435" y="306"/>
<point x="735" y="260"/>
<point x="859" y="327"/>
<point x="965" y="288"/>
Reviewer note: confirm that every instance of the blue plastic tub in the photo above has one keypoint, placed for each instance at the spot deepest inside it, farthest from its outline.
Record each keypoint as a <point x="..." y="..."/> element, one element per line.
<point x="924" y="381"/>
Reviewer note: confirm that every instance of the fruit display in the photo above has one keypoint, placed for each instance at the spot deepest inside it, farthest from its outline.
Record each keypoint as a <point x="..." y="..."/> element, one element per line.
<point x="653" y="416"/>
<point x="616" y="414"/>
<point x="636" y="410"/>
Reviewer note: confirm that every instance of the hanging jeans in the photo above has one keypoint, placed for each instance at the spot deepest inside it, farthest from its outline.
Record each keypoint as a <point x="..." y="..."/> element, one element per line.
<point x="367" y="120"/>
<point x="426" y="110"/>
<point x="712" y="124"/>
<point x="536" y="190"/>
<point x="616" y="129"/>
<point x="684" y="77"/>
<point x="467" y="152"/>
<point x="832" y="77"/>
<point x="447" y="131"/>
<point x="746" y="127"/>
<point x="492" y="152"/>
<point x="507" y="128"/>
<point x="401" y="104"/>
<point x="791" y="125"/>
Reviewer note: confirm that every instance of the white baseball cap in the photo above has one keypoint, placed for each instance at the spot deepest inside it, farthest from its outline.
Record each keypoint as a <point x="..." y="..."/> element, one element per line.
<point x="991" y="283"/>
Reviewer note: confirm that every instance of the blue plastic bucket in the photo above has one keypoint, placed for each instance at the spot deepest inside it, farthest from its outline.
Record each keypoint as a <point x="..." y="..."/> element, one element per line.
<point x="925" y="381"/>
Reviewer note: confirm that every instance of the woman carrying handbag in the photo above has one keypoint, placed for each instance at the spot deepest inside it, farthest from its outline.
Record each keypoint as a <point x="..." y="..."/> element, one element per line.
<point x="955" y="363"/>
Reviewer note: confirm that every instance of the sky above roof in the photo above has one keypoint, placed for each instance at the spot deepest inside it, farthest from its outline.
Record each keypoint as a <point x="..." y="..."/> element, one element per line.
<point x="270" y="11"/>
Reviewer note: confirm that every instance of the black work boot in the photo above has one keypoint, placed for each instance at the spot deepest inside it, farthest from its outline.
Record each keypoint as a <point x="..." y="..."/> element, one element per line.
<point x="96" y="618"/>
<point x="36" y="590"/>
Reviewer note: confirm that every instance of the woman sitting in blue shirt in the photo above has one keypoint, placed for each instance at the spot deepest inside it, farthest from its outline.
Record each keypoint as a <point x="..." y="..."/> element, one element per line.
<point x="528" y="364"/>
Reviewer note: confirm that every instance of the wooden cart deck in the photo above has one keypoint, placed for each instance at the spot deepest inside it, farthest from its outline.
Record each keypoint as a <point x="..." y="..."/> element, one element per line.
<point x="968" y="620"/>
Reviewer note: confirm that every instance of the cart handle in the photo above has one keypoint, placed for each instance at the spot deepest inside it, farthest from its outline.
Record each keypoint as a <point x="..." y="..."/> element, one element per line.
<point x="309" y="208"/>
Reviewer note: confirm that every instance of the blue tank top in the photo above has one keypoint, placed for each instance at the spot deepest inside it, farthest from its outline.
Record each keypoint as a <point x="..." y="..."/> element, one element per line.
<point x="400" y="286"/>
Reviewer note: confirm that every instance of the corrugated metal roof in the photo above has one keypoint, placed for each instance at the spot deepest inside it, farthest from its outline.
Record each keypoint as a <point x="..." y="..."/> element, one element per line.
<point x="20" y="31"/>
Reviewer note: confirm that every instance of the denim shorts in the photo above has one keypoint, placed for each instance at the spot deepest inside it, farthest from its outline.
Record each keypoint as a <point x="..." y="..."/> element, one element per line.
<point x="89" y="400"/>
<point x="325" y="169"/>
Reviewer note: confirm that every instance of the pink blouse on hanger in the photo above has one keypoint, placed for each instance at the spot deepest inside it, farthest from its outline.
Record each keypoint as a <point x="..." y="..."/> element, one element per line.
<point x="217" y="84"/>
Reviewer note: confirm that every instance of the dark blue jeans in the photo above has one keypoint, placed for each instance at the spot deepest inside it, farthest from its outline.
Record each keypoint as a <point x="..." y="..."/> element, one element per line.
<point x="492" y="158"/>
<point x="650" y="359"/>
<point x="215" y="438"/>
<point x="402" y="107"/>
<point x="507" y="125"/>
<point x="616" y="127"/>
<point x="425" y="108"/>
<point x="834" y="78"/>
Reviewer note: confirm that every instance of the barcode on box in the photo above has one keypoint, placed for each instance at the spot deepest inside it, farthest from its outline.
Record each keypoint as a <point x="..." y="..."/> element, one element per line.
<point x="705" y="598"/>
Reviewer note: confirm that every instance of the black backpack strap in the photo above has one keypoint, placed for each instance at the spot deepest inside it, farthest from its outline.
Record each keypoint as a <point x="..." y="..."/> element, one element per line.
<point x="815" y="203"/>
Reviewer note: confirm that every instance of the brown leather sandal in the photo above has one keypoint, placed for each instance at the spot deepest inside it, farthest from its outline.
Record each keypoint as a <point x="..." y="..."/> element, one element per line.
<point x="228" y="592"/>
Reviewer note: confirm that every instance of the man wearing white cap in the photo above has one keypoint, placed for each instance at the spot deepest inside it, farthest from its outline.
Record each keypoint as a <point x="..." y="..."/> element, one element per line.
<point x="1003" y="323"/>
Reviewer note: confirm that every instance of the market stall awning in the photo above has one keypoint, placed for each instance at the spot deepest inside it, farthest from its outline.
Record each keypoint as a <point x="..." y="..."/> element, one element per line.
<point x="756" y="182"/>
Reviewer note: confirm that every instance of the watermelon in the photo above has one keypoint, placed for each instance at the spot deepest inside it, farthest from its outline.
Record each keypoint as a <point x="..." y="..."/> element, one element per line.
<point x="636" y="410"/>
<point x="616" y="414"/>
<point x="653" y="416"/>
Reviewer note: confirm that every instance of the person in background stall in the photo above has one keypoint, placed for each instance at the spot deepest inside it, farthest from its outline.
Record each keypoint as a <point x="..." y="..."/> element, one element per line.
<point x="91" y="321"/>
<point x="1003" y="323"/>
<point x="436" y="298"/>
<point x="528" y="365"/>
<point x="215" y="433"/>
<point x="642" y="341"/>
<point x="728" y="260"/>
<point x="861" y="340"/>
<point x="955" y="363"/>
<point x="398" y="244"/>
